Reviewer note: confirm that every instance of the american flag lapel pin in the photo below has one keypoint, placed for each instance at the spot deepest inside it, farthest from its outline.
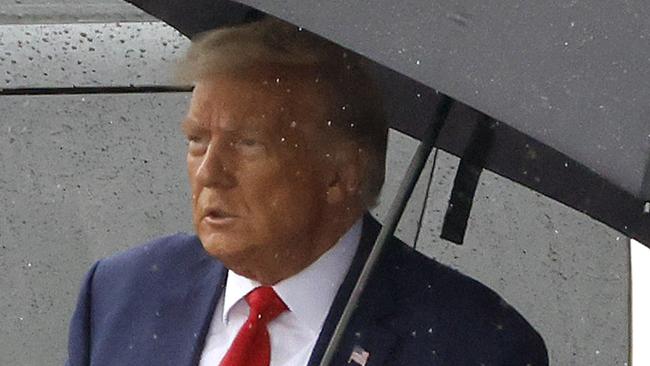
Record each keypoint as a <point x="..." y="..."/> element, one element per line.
<point x="359" y="356"/>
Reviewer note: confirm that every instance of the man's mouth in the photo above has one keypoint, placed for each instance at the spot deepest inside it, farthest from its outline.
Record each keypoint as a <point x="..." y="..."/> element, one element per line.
<point x="219" y="217"/>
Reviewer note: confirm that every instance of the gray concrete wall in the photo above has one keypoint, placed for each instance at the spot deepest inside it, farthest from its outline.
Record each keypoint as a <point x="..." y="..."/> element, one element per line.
<point x="84" y="176"/>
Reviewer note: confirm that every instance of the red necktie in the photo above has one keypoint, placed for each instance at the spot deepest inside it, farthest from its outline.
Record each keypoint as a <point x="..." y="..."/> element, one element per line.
<point x="252" y="346"/>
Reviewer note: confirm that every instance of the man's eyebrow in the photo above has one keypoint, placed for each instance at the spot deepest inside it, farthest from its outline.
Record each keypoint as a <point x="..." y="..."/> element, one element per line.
<point x="189" y="125"/>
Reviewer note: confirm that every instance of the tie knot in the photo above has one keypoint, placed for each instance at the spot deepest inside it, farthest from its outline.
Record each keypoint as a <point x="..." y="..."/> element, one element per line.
<point x="265" y="304"/>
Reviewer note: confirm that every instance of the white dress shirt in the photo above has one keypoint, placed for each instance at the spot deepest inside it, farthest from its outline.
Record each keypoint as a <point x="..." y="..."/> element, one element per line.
<point x="308" y="295"/>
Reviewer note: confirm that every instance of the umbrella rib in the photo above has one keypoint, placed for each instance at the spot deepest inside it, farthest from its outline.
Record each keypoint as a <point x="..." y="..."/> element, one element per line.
<point x="394" y="214"/>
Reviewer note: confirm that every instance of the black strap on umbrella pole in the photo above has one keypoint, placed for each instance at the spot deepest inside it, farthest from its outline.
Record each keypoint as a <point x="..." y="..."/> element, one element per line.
<point x="394" y="214"/>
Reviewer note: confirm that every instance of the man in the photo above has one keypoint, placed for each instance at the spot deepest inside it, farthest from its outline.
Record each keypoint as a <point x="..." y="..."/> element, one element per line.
<point x="286" y="150"/>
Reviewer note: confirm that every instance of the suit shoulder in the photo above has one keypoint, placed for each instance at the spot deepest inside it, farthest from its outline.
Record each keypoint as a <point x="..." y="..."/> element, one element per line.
<point x="165" y="253"/>
<point x="163" y="247"/>
<point x="466" y="309"/>
<point x="430" y="279"/>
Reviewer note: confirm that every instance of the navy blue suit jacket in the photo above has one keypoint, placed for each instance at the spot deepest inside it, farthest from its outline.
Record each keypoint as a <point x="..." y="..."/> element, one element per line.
<point x="152" y="305"/>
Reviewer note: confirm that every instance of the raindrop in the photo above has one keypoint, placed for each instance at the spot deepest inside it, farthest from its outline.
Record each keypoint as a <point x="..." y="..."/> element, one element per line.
<point x="329" y="122"/>
<point x="277" y="80"/>
<point x="283" y="139"/>
<point x="155" y="336"/>
<point x="352" y="124"/>
<point x="293" y="124"/>
<point x="417" y="62"/>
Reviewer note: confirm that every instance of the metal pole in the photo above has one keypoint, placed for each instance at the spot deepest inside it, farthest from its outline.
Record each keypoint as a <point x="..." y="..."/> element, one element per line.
<point x="394" y="214"/>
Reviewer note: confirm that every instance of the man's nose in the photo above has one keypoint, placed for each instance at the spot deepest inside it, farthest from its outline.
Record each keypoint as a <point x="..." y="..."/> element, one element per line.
<point x="216" y="168"/>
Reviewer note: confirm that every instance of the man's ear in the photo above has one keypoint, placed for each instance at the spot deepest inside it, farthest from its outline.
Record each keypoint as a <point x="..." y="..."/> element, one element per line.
<point x="344" y="178"/>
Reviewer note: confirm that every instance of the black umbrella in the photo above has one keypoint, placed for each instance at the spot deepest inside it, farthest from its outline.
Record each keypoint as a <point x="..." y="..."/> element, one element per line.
<point x="570" y="84"/>
<point x="559" y="93"/>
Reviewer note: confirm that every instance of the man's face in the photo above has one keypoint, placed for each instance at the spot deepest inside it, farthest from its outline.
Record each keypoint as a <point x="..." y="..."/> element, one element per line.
<point x="256" y="188"/>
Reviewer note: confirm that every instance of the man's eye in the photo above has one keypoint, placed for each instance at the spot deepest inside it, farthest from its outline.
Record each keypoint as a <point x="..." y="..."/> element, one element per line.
<point x="248" y="142"/>
<point x="196" y="145"/>
<point x="249" y="146"/>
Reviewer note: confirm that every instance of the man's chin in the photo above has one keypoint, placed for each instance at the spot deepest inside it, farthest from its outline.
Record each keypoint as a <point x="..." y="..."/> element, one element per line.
<point x="222" y="247"/>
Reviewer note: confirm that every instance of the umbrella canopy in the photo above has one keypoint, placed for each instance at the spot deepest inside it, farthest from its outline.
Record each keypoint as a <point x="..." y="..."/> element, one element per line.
<point x="567" y="83"/>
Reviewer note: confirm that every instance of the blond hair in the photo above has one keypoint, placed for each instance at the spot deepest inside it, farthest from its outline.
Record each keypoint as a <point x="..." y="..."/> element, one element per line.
<point x="354" y="106"/>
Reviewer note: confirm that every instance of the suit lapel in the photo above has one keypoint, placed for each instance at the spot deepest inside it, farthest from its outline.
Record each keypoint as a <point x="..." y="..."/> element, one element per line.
<point x="365" y="332"/>
<point x="187" y="313"/>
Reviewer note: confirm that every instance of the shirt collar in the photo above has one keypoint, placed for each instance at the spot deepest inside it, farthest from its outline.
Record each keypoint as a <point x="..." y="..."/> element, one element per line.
<point x="309" y="293"/>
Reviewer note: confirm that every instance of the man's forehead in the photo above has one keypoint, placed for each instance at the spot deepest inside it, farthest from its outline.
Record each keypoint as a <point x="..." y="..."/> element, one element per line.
<point x="231" y="102"/>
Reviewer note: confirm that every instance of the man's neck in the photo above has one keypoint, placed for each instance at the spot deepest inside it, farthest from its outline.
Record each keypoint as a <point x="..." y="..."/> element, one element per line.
<point x="277" y="267"/>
